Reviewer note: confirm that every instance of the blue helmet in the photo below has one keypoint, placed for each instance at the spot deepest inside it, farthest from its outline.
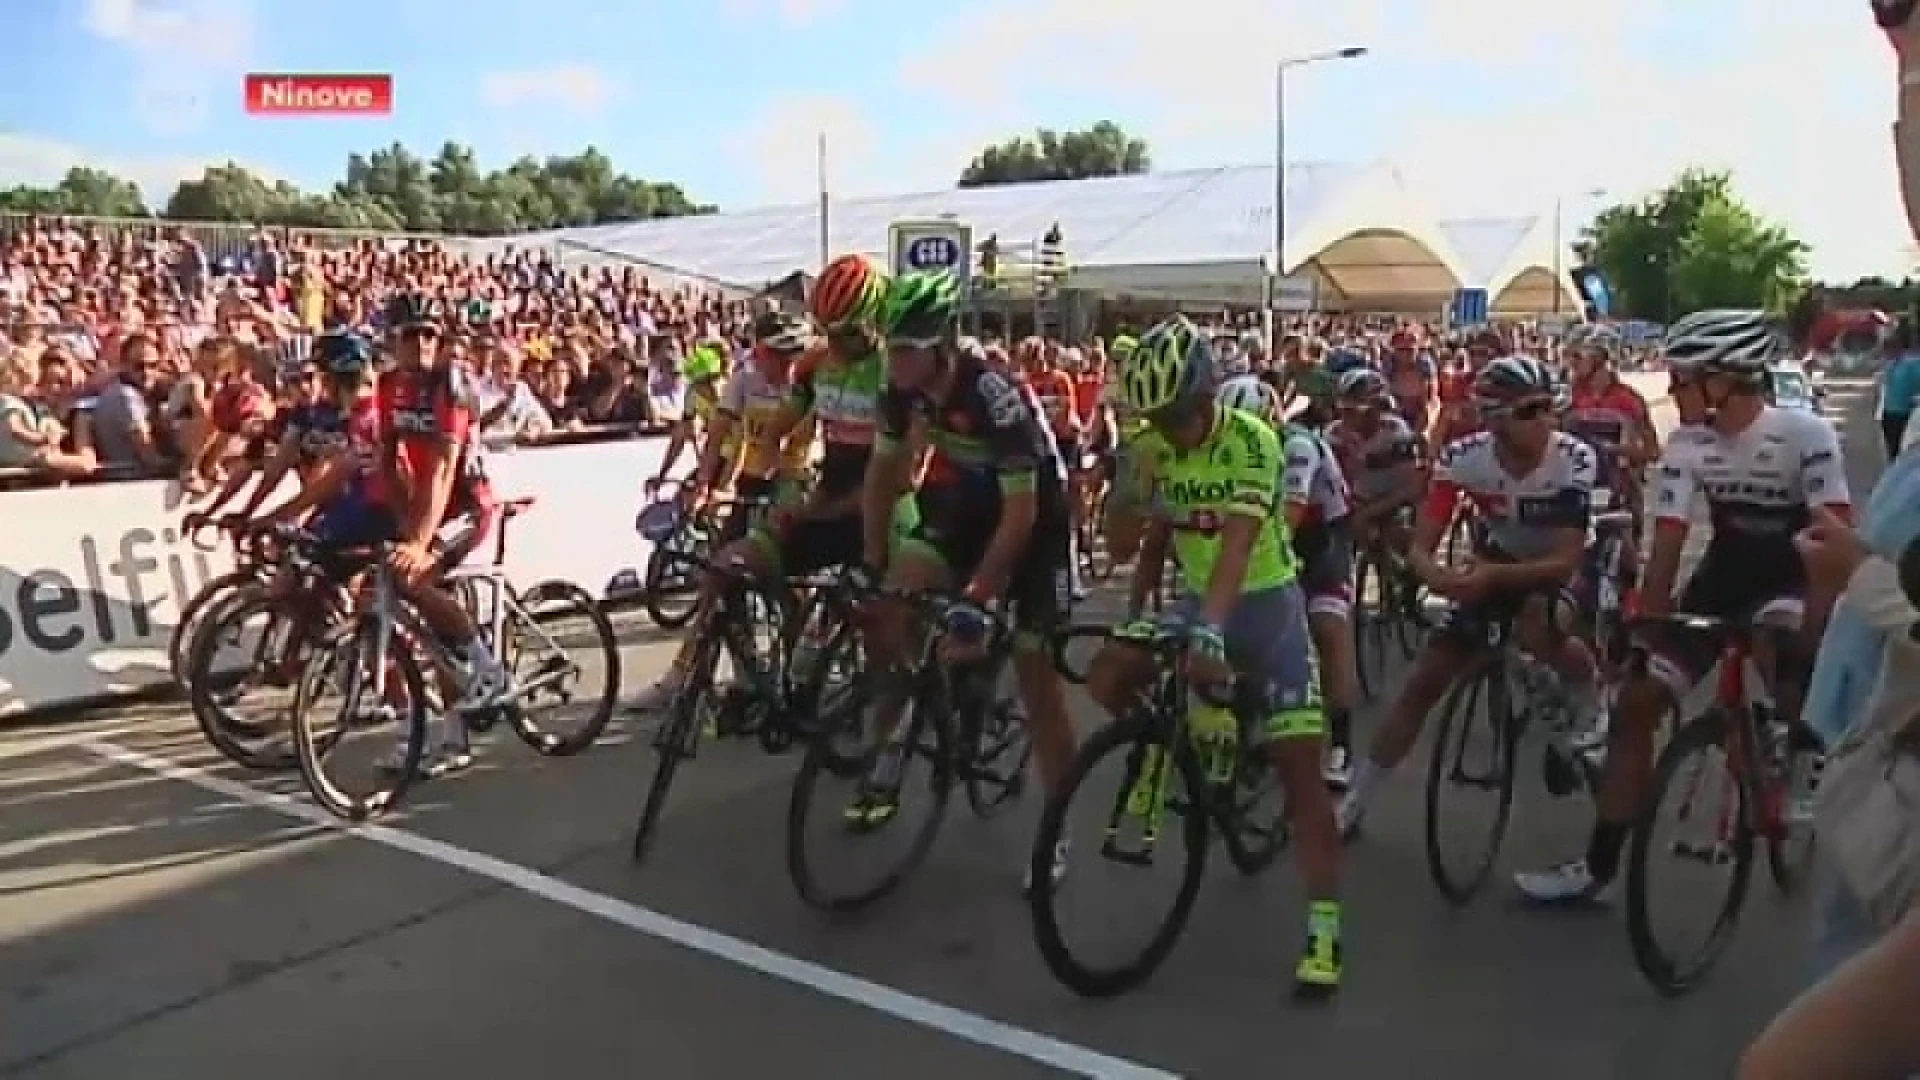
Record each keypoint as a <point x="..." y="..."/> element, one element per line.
<point x="1342" y="360"/>
<point x="343" y="353"/>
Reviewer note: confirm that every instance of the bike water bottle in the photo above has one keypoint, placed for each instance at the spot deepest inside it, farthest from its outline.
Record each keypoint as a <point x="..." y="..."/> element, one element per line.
<point x="1216" y="734"/>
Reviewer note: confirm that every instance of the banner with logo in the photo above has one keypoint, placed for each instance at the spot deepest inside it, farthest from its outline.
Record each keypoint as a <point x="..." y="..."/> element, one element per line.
<point x="89" y="594"/>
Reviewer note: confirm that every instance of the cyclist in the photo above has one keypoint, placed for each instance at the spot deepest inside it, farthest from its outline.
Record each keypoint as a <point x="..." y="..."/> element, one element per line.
<point x="1411" y="377"/>
<point x="1610" y="415"/>
<point x="1381" y="453"/>
<point x="775" y="443"/>
<point x="1459" y="415"/>
<point x="1316" y="504"/>
<point x="1761" y="470"/>
<point x="1127" y="489"/>
<point x="1041" y="367"/>
<point x="993" y="521"/>
<point x="1217" y="491"/>
<point x="1533" y="487"/>
<point x="703" y="368"/>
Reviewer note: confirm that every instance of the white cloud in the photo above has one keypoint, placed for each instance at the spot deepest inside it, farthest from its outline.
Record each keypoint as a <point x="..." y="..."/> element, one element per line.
<point x="579" y="87"/>
<point x="1795" y="97"/>
<point x="41" y="162"/>
<point x="184" y="54"/>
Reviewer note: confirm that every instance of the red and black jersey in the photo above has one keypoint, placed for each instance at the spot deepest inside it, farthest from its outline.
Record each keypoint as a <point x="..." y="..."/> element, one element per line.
<point x="421" y="412"/>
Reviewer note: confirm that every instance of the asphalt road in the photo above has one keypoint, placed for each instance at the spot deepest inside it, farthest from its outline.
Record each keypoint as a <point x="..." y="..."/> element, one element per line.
<point x="162" y="914"/>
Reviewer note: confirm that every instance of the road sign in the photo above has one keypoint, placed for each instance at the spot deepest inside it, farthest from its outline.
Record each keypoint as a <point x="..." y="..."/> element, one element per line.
<point x="1469" y="307"/>
<point x="937" y="244"/>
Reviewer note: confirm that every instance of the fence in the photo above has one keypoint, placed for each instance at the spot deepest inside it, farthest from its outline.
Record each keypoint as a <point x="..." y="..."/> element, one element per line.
<point x="219" y="239"/>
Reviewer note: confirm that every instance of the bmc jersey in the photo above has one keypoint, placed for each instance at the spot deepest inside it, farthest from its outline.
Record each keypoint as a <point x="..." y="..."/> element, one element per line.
<point x="1311" y="477"/>
<point x="1759" y="487"/>
<point x="1604" y="418"/>
<point x="422" y="411"/>
<point x="1235" y="472"/>
<point x="1523" y="515"/>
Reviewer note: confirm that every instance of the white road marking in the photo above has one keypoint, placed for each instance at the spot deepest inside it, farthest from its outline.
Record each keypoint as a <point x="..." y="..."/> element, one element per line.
<point x="918" y="1011"/>
<point x="77" y="740"/>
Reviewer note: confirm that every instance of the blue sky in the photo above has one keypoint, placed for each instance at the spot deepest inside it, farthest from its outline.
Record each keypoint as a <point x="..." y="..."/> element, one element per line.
<point x="1489" y="106"/>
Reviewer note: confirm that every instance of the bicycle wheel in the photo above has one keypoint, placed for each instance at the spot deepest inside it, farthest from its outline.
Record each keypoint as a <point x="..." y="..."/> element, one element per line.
<point x="676" y="740"/>
<point x="1369" y="614"/>
<point x="180" y="638"/>
<point x="1670" y="974"/>
<point x="556" y="638"/>
<point x="1135" y="738"/>
<point x="1495" y="733"/>
<point x="671" y="584"/>
<point x="219" y="684"/>
<point x="927" y="737"/>
<point x="1252" y="828"/>
<point x="1407" y="609"/>
<point x="349" y="660"/>
<point x="997" y="773"/>
<point x="1790" y="844"/>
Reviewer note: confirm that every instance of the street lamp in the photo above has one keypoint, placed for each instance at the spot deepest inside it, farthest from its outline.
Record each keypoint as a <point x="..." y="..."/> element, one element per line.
<point x="1560" y="242"/>
<point x="1279" y="269"/>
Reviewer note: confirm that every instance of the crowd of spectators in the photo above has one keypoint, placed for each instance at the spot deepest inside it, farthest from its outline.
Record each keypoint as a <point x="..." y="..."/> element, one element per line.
<point x="116" y="339"/>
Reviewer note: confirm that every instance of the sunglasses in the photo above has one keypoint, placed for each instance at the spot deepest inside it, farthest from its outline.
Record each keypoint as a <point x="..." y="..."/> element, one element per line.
<point x="914" y="343"/>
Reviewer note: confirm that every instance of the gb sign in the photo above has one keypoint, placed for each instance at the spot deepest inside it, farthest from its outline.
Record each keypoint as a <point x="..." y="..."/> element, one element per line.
<point x="936" y="244"/>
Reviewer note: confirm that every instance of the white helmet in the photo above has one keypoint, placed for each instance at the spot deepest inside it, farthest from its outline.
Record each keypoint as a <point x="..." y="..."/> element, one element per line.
<point x="1724" y="342"/>
<point x="1253" y="395"/>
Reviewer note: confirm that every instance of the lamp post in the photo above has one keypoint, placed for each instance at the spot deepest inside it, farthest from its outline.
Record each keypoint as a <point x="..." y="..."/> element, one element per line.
<point x="1560" y="242"/>
<point x="1278" y="269"/>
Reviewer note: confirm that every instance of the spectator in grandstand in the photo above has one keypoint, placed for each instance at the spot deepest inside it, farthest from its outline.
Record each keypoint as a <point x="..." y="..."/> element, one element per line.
<point x="121" y="421"/>
<point x="31" y="434"/>
<point x="509" y="408"/>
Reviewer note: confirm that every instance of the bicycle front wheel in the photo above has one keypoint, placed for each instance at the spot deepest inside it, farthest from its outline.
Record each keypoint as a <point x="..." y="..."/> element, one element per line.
<point x="1369" y="616"/>
<point x="1686" y="769"/>
<point x="382" y="694"/>
<point x="239" y="699"/>
<point x="671" y="584"/>
<point x="1153" y="781"/>
<point x="211" y="598"/>
<point x="566" y="662"/>
<point x="676" y="740"/>
<point x="1473" y="751"/>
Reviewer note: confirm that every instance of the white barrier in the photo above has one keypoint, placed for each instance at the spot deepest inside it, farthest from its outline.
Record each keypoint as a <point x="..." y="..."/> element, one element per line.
<point x="92" y="577"/>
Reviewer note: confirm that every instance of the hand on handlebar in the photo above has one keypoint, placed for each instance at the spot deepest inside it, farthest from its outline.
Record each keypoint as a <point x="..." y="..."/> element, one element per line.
<point x="1206" y="658"/>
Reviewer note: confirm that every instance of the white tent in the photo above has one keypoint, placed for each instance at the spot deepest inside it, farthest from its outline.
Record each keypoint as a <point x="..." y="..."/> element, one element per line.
<point x="1513" y="259"/>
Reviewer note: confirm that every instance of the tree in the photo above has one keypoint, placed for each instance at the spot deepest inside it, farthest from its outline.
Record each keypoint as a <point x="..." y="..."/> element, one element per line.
<point x="389" y="190"/>
<point x="1104" y="149"/>
<point x="1693" y="245"/>
<point x="82" y="192"/>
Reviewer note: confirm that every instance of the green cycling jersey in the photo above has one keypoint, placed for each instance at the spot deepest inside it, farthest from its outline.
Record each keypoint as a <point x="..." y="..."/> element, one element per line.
<point x="1236" y="471"/>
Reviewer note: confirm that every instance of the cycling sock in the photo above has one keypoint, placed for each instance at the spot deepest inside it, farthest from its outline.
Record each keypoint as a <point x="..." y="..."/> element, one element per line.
<point x="1340" y="728"/>
<point x="1323" y="917"/>
<point x="1603" y="849"/>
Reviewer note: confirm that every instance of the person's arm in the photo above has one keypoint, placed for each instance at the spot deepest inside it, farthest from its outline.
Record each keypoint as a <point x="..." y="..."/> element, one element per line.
<point x="1857" y="1023"/>
<point x="1434" y="516"/>
<point x="21" y="425"/>
<point x="889" y="472"/>
<point x="1013" y="438"/>
<point x="275" y="469"/>
<point x="1674" y="485"/>
<point x="433" y="484"/>
<point x="1823" y="476"/>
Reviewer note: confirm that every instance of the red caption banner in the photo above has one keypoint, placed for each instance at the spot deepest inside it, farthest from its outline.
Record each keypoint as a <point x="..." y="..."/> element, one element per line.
<point x="319" y="95"/>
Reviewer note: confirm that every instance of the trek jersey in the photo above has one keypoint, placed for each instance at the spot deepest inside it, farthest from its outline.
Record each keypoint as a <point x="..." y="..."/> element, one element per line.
<point x="844" y="399"/>
<point x="986" y="439"/>
<point x="1236" y="471"/>
<point x="1759" y="487"/>
<point x="1523" y="515"/>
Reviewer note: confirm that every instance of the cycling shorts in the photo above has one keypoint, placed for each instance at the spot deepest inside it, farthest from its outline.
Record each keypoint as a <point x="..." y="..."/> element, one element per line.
<point x="952" y="532"/>
<point x="1679" y="658"/>
<point x="1326" y="567"/>
<point x="1469" y="626"/>
<point x="352" y="524"/>
<point x="1267" y="639"/>
<point x="815" y="544"/>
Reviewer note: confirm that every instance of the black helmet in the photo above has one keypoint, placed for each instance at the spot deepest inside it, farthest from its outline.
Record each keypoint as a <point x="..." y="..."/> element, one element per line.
<point x="343" y="354"/>
<point x="779" y="332"/>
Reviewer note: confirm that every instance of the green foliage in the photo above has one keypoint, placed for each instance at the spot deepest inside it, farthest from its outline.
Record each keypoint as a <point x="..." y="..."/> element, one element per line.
<point x="389" y="190"/>
<point x="1693" y="245"/>
<point x="1104" y="149"/>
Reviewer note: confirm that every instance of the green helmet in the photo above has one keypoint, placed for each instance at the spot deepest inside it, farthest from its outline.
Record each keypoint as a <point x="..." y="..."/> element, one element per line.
<point x="702" y="362"/>
<point x="1173" y="364"/>
<point x="921" y="305"/>
<point x="1123" y="346"/>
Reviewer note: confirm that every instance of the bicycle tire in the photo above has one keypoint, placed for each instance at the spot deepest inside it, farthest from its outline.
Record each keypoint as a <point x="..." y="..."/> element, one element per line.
<point x="924" y="718"/>
<point x="806" y="691"/>
<point x="1668" y="976"/>
<point x="548" y="598"/>
<point x="992" y="781"/>
<point x="1369" y="634"/>
<point x="312" y="748"/>
<point x="245" y="744"/>
<point x="676" y="740"/>
<point x="1250" y="848"/>
<point x="670" y="609"/>
<point x="180" y="639"/>
<point x="1787" y="870"/>
<point x="1443" y="764"/>
<point x="1409" y="615"/>
<point x="1131" y="736"/>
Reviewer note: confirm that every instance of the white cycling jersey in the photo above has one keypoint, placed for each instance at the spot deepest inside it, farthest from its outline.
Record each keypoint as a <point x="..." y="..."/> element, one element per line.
<point x="1522" y="516"/>
<point x="1376" y="456"/>
<point x="1311" y="476"/>
<point x="1759" y="487"/>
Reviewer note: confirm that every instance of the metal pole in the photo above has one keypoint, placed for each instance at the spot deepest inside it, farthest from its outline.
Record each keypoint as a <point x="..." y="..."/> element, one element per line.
<point x="1559" y="233"/>
<point x="825" y="206"/>
<point x="1279" y="268"/>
